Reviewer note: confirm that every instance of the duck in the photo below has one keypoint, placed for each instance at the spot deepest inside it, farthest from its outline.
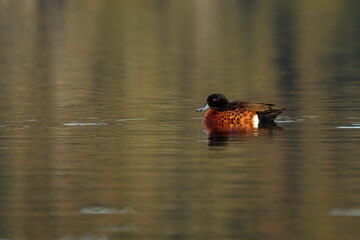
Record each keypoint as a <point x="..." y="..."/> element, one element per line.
<point x="222" y="113"/>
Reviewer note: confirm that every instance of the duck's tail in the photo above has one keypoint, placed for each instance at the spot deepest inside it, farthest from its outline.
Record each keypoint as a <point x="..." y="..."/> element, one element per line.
<point x="268" y="117"/>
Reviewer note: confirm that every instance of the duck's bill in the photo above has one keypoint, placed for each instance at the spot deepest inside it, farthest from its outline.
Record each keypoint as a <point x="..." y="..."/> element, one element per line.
<point x="206" y="106"/>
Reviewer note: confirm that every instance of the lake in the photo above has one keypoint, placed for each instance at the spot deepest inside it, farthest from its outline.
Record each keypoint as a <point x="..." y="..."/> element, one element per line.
<point x="99" y="138"/>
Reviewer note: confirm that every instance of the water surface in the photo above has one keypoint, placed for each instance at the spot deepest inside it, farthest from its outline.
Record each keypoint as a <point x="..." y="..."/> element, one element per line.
<point x="99" y="138"/>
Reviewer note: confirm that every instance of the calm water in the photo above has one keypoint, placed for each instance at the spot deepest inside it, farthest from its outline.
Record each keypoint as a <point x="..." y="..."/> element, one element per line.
<point x="99" y="138"/>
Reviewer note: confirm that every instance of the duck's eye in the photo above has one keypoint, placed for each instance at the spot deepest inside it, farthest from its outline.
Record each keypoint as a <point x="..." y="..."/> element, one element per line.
<point x="214" y="99"/>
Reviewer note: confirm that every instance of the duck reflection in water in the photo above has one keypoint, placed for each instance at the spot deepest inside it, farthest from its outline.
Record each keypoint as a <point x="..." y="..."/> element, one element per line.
<point x="220" y="135"/>
<point x="238" y="118"/>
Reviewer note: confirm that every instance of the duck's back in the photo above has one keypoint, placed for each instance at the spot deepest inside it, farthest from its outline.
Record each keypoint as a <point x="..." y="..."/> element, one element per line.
<point x="257" y="107"/>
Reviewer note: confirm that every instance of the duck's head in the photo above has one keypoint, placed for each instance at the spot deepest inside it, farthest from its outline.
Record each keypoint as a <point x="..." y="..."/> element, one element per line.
<point x="214" y="101"/>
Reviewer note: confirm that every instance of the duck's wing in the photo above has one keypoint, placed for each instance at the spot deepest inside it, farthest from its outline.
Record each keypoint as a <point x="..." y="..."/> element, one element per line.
<point x="258" y="107"/>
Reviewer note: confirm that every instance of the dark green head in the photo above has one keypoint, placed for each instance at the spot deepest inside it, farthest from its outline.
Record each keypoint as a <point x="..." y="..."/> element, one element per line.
<point x="214" y="101"/>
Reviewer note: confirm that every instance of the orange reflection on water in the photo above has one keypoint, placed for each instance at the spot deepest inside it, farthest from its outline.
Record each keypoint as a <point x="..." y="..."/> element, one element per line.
<point x="221" y="133"/>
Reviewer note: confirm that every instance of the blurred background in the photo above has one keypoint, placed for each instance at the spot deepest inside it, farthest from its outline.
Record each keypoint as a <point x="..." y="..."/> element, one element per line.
<point x="99" y="138"/>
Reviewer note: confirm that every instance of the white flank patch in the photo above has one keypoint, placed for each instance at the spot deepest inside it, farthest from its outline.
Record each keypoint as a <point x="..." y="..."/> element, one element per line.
<point x="256" y="121"/>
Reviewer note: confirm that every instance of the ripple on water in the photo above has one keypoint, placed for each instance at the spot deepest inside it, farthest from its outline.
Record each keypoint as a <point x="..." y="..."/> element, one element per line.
<point x="102" y="122"/>
<point x="83" y="124"/>
<point x="310" y="116"/>
<point x="106" y="210"/>
<point x="130" y="119"/>
<point x="285" y="119"/>
<point x="349" y="127"/>
<point x="352" y="212"/>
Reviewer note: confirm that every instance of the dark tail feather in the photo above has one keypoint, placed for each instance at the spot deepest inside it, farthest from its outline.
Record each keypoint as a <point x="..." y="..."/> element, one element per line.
<point x="269" y="116"/>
